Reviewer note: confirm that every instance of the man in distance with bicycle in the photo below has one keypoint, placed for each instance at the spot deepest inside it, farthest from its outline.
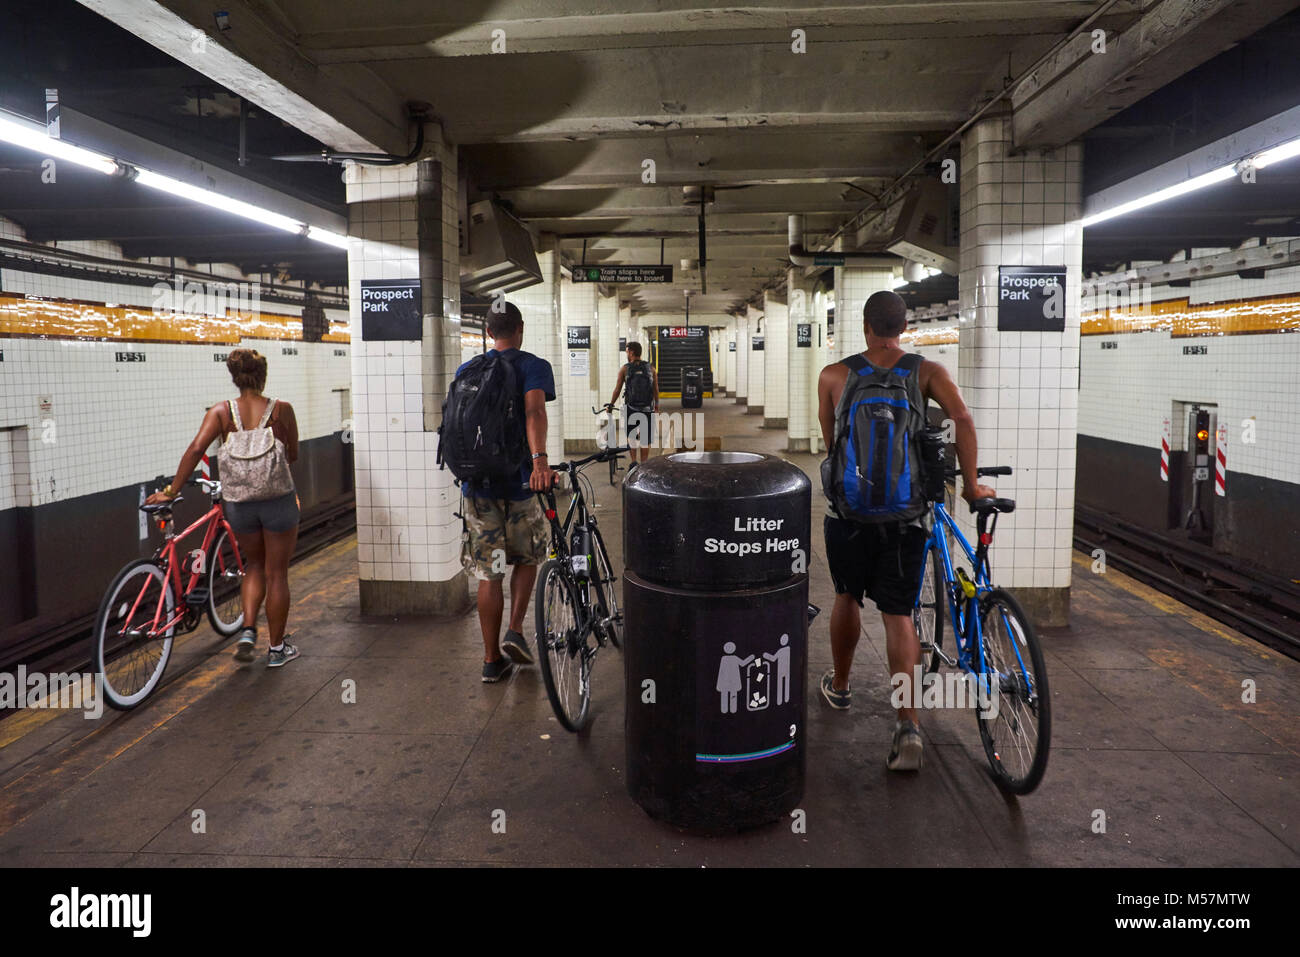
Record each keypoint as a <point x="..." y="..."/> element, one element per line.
<point x="505" y="519"/>
<point x="640" y="403"/>
<point x="884" y="560"/>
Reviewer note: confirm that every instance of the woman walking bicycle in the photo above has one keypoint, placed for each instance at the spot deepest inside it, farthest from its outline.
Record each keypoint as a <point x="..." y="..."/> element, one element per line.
<point x="261" y="504"/>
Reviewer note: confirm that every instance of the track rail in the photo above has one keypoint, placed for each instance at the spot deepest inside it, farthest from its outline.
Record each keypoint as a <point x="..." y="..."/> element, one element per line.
<point x="65" y="647"/>
<point x="1252" y="600"/>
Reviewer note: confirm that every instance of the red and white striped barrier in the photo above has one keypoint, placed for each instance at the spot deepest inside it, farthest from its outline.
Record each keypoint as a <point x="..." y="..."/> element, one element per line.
<point x="1164" y="452"/>
<point x="1221" y="461"/>
<point x="205" y="468"/>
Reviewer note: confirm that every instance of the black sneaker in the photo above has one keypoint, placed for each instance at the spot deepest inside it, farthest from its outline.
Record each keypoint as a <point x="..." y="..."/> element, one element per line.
<point x="515" y="646"/>
<point x="494" y="671"/>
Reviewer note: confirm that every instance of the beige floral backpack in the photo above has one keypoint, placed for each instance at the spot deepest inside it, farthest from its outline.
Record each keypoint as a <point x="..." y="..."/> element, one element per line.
<point x="253" y="462"/>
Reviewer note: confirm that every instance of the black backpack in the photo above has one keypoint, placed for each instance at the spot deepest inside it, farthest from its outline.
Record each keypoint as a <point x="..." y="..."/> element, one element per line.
<point x="640" y="389"/>
<point x="482" y="436"/>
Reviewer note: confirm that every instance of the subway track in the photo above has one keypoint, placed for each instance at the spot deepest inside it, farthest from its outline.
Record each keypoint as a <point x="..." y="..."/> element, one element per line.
<point x="1258" y="603"/>
<point x="66" y="647"/>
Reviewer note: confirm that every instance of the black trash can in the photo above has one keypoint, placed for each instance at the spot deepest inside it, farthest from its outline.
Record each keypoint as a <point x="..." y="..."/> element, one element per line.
<point x="692" y="388"/>
<point x="715" y="594"/>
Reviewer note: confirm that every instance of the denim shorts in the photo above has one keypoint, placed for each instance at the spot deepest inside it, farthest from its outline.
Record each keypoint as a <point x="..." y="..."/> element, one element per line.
<point x="272" y="514"/>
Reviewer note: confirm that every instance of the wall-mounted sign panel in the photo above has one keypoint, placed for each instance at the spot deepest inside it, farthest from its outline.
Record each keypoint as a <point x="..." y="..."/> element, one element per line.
<point x="756" y="343"/>
<point x="391" y="310"/>
<point x="803" y="335"/>
<point x="579" y="337"/>
<point x="1031" y="298"/>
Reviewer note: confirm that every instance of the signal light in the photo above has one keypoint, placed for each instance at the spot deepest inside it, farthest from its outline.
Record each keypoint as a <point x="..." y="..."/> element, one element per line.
<point x="1203" y="435"/>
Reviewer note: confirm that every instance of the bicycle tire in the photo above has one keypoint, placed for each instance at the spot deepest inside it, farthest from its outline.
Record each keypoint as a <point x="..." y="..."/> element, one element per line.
<point x="1027" y="696"/>
<point x="606" y="596"/>
<point x="564" y="657"/>
<point x="929" y="624"/>
<point x="113" y="669"/>
<point x="224" y="594"/>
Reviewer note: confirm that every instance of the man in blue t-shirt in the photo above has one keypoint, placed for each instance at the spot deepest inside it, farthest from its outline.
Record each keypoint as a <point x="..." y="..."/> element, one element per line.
<point x="506" y="518"/>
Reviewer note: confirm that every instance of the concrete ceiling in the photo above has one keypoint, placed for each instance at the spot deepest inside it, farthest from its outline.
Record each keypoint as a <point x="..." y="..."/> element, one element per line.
<point x="560" y="124"/>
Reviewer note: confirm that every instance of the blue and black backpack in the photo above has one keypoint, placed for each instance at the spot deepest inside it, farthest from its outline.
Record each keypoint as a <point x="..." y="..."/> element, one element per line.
<point x="875" y="471"/>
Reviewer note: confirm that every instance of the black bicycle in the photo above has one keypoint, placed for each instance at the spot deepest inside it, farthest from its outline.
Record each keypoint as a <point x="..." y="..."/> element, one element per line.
<point x="577" y="602"/>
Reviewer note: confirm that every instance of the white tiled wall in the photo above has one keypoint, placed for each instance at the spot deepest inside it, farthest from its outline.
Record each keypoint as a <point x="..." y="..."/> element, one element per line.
<point x="114" y="423"/>
<point x="607" y="356"/>
<point x="1022" y="387"/>
<point x="1126" y="392"/>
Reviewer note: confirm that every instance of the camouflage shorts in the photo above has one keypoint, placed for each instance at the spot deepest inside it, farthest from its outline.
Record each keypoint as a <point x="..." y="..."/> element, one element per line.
<point x="500" y="533"/>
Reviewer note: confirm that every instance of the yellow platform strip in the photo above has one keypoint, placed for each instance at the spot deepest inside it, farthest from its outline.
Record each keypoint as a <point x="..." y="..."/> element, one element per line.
<point x="64" y="319"/>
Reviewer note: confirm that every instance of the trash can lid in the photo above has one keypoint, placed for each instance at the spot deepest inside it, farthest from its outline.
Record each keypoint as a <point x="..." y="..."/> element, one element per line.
<point x="724" y="475"/>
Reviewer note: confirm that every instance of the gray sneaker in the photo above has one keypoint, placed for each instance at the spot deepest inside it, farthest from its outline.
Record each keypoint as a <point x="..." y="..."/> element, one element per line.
<point x="244" y="647"/>
<point x="286" y="654"/>
<point x="905" y="753"/>
<point x="839" y="700"/>
<point x="515" y="647"/>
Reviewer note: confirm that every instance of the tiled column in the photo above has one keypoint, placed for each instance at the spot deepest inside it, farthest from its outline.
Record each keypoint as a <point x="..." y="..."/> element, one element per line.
<point x="776" y="362"/>
<point x="578" y="308"/>
<point x="607" y="356"/>
<point x="403" y="222"/>
<point x="742" y="359"/>
<point x="854" y="285"/>
<point x="802" y="376"/>
<point x="729" y="337"/>
<point x="1023" y="386"/>
<point x="817" y="361"/>
<point x="754" y="391"/>
<point x="540" y="306"/>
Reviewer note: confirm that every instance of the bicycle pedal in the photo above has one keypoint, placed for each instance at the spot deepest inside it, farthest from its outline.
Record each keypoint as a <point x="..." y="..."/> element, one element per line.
<point x="197" y="598"/>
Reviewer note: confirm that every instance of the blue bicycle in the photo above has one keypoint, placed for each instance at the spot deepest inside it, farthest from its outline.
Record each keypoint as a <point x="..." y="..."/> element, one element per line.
<point x="996" y="644"/>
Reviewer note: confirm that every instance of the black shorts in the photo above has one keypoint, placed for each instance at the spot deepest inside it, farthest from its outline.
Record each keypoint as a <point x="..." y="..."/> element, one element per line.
<point x="272" y="514"/>
<point x="882" y="562"/>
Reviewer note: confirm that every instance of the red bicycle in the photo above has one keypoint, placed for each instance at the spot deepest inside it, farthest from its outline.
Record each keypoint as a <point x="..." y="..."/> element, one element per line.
<point x="148" y="601"/>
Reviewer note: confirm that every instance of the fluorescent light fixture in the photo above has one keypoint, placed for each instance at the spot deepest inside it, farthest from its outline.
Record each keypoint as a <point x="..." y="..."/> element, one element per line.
<point x="29" y="136"/>
<point x="326" y="236"/>
<point x="32" y="138"/>
<point x="1160" y="195"/>
<point x="1276" y="154"/>
<point x="215" y="200"/>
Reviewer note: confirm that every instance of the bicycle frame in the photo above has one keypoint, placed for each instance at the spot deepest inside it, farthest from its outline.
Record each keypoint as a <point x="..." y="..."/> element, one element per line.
<point x="215" y="520"/>
<point x="963" y="610"/>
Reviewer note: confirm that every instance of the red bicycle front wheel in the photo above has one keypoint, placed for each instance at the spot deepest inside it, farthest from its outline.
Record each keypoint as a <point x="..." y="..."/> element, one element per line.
<point x="131" y="651"/>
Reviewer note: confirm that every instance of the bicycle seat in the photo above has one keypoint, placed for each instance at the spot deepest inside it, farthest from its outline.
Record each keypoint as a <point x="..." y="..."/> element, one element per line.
<point x="986" y="506"/>
<point x="160" y="506"/>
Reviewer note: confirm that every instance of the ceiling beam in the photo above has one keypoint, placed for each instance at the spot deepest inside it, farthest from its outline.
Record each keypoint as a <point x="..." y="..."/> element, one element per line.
<point x="1077" y="89"/>
<point x="345" y="107"/>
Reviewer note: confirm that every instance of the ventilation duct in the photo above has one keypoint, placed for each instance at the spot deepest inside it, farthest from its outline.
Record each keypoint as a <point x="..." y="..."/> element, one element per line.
<point x="801" y="256"/>
<point x="501" y="256"/>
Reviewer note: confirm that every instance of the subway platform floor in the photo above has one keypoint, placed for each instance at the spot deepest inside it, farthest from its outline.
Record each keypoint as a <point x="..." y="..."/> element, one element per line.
<point x="238" y="765"/>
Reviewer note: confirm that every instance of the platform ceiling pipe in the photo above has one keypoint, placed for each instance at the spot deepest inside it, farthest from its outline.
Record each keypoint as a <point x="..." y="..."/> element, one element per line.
<point x="799" y="256"/>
